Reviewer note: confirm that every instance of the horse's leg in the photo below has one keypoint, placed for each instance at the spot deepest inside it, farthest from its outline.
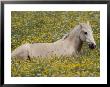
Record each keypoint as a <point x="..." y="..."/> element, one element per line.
<point x="75" y="54"/>
<point x="29" y="58"/>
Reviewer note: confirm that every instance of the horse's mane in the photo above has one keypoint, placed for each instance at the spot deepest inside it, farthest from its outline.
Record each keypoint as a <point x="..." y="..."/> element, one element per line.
<point x="72" y="31"/>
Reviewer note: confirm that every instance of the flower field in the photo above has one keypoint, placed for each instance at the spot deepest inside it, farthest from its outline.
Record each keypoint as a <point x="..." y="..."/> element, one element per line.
<point x="50" y="26"/>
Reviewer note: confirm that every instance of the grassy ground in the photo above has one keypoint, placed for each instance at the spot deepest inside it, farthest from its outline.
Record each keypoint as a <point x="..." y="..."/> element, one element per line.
<point x="28" y="27"/>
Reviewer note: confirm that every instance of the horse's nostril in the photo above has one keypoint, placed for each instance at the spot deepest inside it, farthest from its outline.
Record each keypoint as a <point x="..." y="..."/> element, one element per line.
<point x="92" y="46"/>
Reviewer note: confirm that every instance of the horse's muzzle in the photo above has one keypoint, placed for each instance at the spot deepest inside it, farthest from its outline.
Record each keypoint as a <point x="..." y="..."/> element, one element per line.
<point x="92" y="46"/>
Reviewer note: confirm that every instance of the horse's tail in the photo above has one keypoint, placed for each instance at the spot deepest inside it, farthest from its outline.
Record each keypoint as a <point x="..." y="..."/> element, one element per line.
<point x="21" y="51"/>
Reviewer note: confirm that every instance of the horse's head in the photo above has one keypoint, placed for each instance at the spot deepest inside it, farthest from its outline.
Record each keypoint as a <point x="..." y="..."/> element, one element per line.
<point x="86" y="34"/>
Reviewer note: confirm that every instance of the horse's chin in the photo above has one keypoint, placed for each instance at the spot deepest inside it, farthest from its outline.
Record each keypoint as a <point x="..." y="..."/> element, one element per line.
<point x="91" y="48"/>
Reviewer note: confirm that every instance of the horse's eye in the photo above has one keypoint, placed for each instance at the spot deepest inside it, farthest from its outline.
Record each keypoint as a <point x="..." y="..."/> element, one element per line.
<point x="85" y="33"/>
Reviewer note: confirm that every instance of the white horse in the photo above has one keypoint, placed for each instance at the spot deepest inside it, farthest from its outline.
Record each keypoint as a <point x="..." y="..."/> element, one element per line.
<point x="69" y="45"/>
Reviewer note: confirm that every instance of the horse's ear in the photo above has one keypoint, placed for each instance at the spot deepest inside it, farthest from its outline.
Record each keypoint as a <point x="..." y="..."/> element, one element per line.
<point x="80" y="25"/>
<point x="65" y="36"/>
<point x="88" y="23"/>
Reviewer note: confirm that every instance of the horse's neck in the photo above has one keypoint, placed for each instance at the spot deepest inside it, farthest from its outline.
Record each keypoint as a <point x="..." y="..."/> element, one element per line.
<point x="75" y="40"/>
<point x="78" y="46"/>
<point x="72" y="41"/>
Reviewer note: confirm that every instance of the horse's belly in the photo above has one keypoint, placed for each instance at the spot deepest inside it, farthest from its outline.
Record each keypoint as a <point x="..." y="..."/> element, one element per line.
<point x="40" y="53"/>
<point x="64" y="53"/>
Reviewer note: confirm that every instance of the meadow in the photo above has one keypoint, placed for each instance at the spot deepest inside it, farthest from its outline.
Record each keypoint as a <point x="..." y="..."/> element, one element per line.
<point x="50" y="26"/>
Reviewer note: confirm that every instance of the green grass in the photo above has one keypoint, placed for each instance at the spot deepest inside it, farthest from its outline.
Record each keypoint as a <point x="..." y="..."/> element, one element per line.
<point x="28" y="27"/>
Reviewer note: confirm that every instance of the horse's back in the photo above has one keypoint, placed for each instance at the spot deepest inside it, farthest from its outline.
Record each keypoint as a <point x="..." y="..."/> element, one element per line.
<point x="40" y="49"/>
